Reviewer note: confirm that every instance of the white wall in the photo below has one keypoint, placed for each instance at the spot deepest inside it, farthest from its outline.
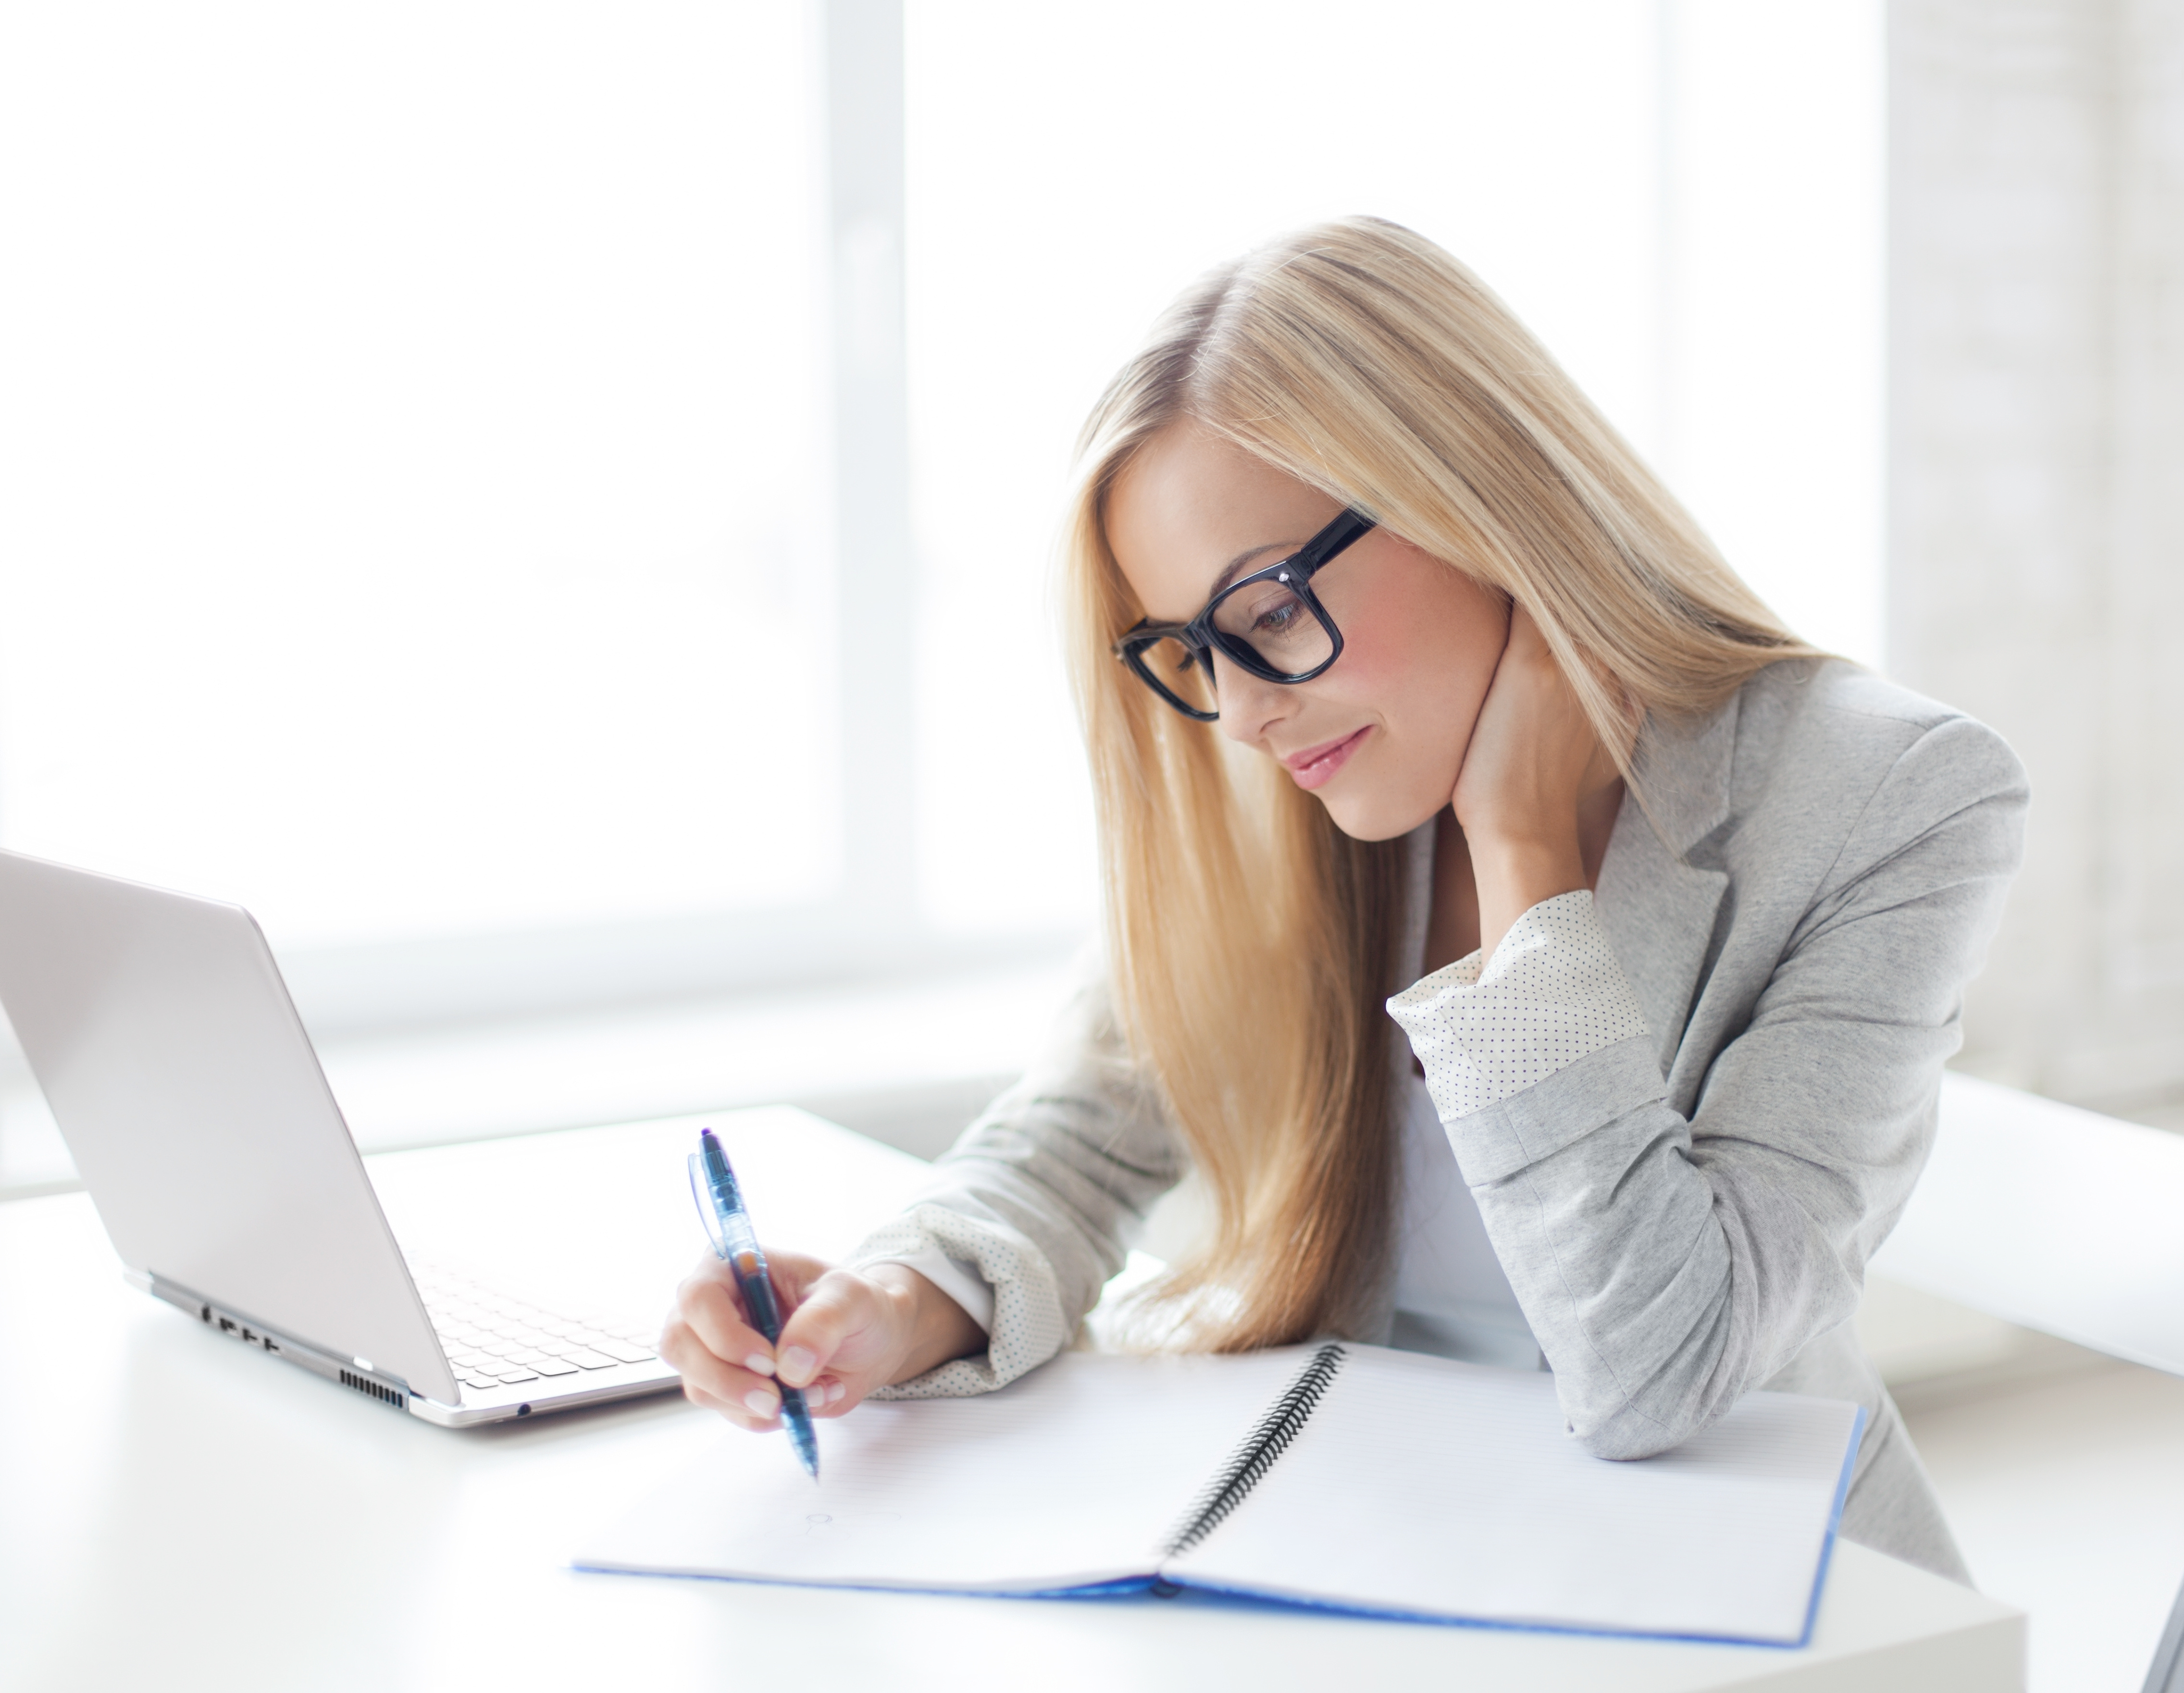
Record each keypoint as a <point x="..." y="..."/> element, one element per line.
<point x="2036" y="526"/>
<point x="1771" y="353"/>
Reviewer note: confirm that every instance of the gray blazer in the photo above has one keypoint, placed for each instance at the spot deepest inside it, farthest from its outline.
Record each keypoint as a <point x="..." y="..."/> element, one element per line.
<point x="1685" y="1215"/>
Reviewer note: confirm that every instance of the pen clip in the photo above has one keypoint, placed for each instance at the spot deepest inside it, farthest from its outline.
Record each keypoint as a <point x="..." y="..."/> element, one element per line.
<point x="701" y="1190"/>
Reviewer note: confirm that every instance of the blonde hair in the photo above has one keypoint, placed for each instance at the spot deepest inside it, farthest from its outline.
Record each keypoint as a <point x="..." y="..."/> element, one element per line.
<point x="1251" y="943"/>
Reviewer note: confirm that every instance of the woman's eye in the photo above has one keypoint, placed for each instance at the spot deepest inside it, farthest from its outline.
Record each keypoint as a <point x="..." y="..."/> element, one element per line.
<point x="1276" y="616"/>
<point x="1264" y="615"/>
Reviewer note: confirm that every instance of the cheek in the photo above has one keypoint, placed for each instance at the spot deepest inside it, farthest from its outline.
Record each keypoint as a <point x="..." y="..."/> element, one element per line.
<point x="1423" y="672"/>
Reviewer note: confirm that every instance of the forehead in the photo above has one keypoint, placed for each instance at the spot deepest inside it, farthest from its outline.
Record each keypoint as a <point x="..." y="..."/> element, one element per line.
<point x="1184" y="509"/>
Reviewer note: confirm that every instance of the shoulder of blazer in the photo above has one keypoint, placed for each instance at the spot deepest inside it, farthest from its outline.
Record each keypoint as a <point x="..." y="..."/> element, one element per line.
<point x="1854" y="767"/>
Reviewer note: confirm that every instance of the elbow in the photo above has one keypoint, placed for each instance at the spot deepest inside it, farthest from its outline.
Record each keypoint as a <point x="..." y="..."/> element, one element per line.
<point x="1623" y="1432"/>
<point x="1626" y="1437"/>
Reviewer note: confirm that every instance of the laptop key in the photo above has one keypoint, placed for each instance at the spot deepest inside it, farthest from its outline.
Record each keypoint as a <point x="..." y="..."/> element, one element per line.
<point x="493" y="1340"/>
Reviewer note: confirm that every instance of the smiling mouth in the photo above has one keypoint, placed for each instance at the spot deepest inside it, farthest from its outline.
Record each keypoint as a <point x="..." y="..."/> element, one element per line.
<point x="1316" y="766"/>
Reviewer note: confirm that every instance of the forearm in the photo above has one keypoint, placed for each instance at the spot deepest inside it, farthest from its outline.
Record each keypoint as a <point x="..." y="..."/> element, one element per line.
<point x="1036" y="1201"/>
<point x="936" y="1329"/>
<point x="1620" y="1257"/>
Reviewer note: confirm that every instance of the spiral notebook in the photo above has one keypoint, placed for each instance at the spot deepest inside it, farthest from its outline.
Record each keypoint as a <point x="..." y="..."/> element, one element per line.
<point x="1344" y="1476"/>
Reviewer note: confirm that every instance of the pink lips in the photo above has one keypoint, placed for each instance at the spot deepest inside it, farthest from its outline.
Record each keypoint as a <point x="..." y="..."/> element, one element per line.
<point x="1315" y="766"/>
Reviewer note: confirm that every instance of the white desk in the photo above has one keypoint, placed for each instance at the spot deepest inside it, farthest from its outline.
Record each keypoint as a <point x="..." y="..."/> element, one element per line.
<point x="178" y="1513"/>
<point x="2052" y="1217"/>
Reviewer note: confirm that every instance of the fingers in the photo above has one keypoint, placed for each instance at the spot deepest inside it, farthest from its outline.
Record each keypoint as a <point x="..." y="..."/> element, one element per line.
<point x="710" y="1305"/>
<point x="747" y="1399"/>
<point x="828" y="1396"/>
<point x="726" y="1365"/>
<point x="742" y="1395"/>
<point x="1528" y="663"/>
<point x="835" y="1309"/>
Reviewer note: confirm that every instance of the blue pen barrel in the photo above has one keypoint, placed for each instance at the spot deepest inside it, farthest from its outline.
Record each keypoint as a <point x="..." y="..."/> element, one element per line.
<point x="721" y="1205"/>
<point x="758" y="1294"/>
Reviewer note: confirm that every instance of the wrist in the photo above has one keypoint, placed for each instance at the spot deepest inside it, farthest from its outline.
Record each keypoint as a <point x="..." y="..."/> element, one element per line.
<point x="929" y="1328"/>
<point x="1514" y="873"/>
<point x="1525" y="869"/>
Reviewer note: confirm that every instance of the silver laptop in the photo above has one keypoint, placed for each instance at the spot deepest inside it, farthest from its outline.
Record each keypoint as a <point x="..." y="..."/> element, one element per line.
<point x="182" y="1080"/>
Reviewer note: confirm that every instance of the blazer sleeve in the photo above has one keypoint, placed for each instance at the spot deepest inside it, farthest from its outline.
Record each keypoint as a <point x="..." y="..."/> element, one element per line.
<point x="1038" y="1200"/>
<point x="1666" y="1264"/>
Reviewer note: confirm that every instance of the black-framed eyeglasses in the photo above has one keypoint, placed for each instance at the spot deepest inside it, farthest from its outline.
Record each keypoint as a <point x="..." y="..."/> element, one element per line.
<point x="1270" y="623"/>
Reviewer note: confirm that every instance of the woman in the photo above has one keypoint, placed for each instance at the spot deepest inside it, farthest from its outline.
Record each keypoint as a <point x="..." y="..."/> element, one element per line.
<point x="1423" y="679"/>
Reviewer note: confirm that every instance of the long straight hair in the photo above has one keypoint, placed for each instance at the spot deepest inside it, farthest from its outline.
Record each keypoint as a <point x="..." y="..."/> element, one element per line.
<point x="1251" y="943"/>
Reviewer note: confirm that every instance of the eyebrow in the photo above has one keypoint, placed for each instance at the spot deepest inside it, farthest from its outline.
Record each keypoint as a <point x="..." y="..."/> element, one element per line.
<point x="1229" y="570"/>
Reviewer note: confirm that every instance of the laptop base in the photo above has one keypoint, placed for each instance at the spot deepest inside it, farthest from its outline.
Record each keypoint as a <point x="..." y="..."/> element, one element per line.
<point x="478" y="1407"/>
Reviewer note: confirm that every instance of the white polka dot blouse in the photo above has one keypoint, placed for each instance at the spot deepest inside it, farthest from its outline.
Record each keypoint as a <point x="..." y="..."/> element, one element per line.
<point x="1552" y="995"/>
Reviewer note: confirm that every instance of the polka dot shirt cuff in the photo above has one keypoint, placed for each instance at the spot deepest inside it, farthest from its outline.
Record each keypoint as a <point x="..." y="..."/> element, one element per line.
<point x="1552" y="995"/>
<point x="1024" y="1325"/>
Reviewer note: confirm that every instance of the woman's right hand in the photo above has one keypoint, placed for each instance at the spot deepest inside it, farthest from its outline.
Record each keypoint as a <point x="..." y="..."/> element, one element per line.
<point x="845" y="1333"/>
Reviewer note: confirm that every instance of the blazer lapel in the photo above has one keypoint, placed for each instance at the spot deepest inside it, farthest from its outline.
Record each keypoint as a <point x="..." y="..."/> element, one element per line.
<point x="1659" y="909"/>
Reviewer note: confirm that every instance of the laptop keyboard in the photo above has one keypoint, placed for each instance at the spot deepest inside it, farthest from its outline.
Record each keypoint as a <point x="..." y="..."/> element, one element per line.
<point x="493" y="1340"/>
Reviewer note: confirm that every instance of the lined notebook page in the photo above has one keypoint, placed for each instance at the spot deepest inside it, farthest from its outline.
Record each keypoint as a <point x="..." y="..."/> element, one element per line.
<point x="1442" y="1489"/>
<point x="1067" y="1477"/>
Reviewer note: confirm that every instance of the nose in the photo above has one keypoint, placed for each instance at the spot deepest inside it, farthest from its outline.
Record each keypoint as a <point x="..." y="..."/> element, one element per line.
<point x="1251" y="705"/>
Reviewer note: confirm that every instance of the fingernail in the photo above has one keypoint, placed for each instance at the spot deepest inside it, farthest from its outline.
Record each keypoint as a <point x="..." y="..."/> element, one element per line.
<point x="797" y="1364"/>
<point x="758" y="1364"/>
<point x="837" y="1391"/>
<point x="763" y="1401"/>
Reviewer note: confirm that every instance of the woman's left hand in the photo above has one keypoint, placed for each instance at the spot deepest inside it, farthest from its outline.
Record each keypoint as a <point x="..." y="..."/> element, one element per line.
<point x="1534" y="757"/>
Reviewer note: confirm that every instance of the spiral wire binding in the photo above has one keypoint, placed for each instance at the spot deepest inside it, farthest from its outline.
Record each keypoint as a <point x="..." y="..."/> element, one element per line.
<point x="1269" y="1439"/>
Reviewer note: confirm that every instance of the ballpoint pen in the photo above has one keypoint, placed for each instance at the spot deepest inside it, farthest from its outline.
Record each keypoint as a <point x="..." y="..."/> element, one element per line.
<point x="720" y="1206"/>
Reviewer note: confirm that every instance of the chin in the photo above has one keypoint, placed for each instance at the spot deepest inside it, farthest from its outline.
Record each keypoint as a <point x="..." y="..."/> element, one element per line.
<point x="1367" y="817"/>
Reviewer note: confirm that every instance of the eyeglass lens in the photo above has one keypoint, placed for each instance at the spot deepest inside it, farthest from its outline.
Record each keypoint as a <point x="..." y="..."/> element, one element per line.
<point x="1177" y="668"/>
<point x="1269" y="619"/>
<point x="1274" y="621"/>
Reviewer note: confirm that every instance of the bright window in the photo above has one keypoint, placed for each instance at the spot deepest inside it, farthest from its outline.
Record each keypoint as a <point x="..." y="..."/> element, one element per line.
<point x="418" y="465"/>
<point x="413" y="459"/>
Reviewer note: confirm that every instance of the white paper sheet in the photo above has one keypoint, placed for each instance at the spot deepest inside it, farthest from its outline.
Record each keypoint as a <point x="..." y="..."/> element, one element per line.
<point x="1423" y="1485"/>
<point x="1418" y="1486"/>
<point x="1068" y="1476"/>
